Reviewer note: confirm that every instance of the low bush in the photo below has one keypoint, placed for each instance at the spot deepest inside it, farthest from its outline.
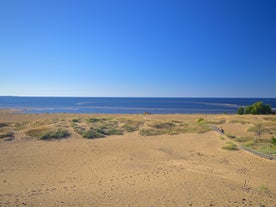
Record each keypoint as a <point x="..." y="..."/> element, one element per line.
<point x="230" y="146"/>
<point x="108" y="131"/>
<point x="95" y="120"/>
<point x="231" y="136"/>
<point x="6" y="135"/>
<point x="58" y="134"/>
<point x="91" y="134"/>
<point x="200" y="120"/>
<point x="243" y="139"/>
<point x="4" y="124"/>
<point x="75" y="120"/>
<point x="164" y="125"/>
<point x="273" y="140"/>
<point x="151" y="132"/>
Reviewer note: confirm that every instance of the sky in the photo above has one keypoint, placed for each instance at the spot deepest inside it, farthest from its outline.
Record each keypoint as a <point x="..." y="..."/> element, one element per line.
<point x="138" y="48"/>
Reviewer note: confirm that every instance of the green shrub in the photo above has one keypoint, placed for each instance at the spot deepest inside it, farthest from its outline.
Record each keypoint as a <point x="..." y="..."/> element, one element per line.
<point x="230" y="146"/>
<point x="58" y="134"/>
<point x="75" y="120"/>
<point x="108" y="131"/>
<point x="256" y="108"/>
<point x="249" y="143"/>
<point x="129" y="128"/>
<point x="165" y="125"/>
<point x="91" y="134"/>
<point x="243" y="139"/>
<point x="200" y="120"/>
<point x="95" y="120"/>
<point x="241" y="110"/>
<point x="273" y="140"/>
<point x="151" y="132"/>
<point x="37" y="132"/>
<point x="231" y="136"/>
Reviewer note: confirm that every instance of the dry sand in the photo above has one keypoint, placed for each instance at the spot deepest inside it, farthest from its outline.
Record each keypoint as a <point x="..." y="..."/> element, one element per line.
<point x="131" y="170"/>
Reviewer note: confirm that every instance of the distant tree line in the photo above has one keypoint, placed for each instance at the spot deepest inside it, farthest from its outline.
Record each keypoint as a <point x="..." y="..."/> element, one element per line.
<point x="256" y="108"/>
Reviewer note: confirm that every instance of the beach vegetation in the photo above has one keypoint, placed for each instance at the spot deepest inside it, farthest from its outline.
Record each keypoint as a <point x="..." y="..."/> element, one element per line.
<point x="222" y="138"/>
<point x="96" y="120"/>
<point x="3" y="124"/>
<point x="200" y="120"/>
<point x="91" y="134"/>
<point x="231" y="136"/>
<point x="230" y="146"/>
<point x="241" y="110"/>
<point x="273" y="140"/>
<point x="243" y="139"/>
<point x="151" y="132"/>
<point x="264" y="188"/>
<point x="249" y="143"/>
<point x="239" y="121"/>
<point x="57" y="134"/>
<point x="75" y="120"/>
<point x="6" y="135"/>
<point x="256" y="108"/>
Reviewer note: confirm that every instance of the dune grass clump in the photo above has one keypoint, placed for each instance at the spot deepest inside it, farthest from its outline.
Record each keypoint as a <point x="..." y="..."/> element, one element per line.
<point x="3" y="124"/>
<point x="58" y="134"/>
<point x="97" y="120"/>
<point x="230" y="146"/>
<point x="47" y="134"/>
<point x="151" y="132"/>
<point x="75" y="120"/>
<point x="37" y="132"/>
<point x="91" y="134"/>
<point x="131" y="125"/>
<point x="243" y="139"/>
<point x="200" y="120"/>
<point x="6" y="135"/>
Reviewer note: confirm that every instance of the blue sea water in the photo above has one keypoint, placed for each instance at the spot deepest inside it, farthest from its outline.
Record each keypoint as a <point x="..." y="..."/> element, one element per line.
<point x="129" y="105"/>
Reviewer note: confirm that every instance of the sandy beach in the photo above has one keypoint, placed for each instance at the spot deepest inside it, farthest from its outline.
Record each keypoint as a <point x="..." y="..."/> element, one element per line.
<point x="174" y="169"/>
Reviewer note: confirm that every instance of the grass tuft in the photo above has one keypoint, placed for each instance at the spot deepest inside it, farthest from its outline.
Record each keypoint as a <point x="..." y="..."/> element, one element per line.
<point x="230" y="146"/>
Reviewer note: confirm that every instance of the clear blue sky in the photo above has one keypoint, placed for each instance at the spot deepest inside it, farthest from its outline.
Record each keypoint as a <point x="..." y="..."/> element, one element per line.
<point x="156" y="48"/>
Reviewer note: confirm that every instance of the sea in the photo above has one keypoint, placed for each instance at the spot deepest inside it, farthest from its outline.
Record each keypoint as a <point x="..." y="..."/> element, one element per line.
<point x="111" y="105"/>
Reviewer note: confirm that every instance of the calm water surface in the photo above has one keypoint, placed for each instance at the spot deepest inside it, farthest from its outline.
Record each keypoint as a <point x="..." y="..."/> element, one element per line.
<point x="129" y="105"/>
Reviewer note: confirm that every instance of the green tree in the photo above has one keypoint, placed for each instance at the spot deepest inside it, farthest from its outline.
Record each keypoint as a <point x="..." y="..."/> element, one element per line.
<point x="241" y="110"/>
<point x="256" y="108"/>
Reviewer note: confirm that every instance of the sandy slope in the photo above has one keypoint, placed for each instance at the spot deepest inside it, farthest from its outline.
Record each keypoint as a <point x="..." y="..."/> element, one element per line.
<point x="131" y="170"/>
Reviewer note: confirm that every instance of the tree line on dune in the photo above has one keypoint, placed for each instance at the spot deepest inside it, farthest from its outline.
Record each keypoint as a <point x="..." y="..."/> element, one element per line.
<point x="256" y="108"/>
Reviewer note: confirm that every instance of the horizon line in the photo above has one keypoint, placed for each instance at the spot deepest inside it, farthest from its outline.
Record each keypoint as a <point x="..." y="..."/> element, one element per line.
<point x="34" y="96"/>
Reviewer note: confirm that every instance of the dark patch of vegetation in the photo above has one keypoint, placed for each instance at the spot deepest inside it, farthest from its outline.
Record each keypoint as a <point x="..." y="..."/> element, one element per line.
<point x="230" y="146"/>
<point x="58" y="134"/>
<point x="37" y="132"/>
<point x="4" y="125"/>
<point x="75" y="120"/>
<point x="95" y="120"/>
<point x="273" y="140"/>
<point x="256" y="108"/>
<point x="6" y="135"/>
<point x="151" y="132"/>
<point x="200" y="120"/>
<point x="107" y="131"/>
<point x="91" y="134"/>
<point x="231" y="136"/>
<point x="243" y="139"/>
<point x="163" y="125"/>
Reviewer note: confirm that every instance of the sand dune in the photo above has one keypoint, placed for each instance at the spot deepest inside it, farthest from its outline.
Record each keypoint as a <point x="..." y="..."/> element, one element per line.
<point x="132" y="170"/>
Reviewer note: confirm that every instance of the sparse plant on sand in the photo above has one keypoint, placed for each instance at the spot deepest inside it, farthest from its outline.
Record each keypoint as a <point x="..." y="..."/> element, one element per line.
<point x="230" y="146"/>
<point x="57" y="134"/>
